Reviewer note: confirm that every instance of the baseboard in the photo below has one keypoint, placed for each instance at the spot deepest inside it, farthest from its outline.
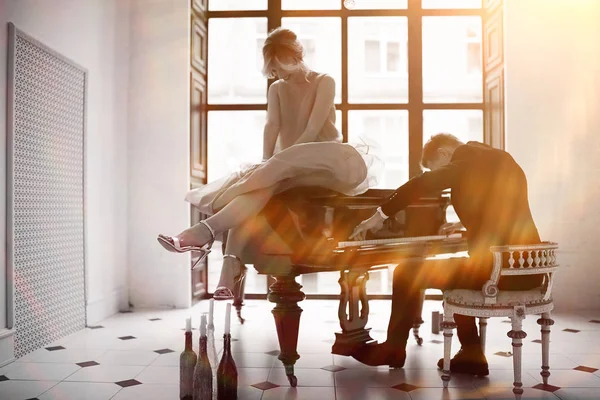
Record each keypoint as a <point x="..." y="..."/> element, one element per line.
<point x="106" y="306"/>
<point x="7" y="346"/>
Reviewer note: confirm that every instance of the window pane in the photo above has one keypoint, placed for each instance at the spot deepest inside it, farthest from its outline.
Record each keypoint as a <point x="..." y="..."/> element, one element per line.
<point x="227" y="5"/>
<point x="377" y="60"/>
<point x="235" y="77"/>
<point x="452" y="60"/>
<point x="234" y="137"/>
<point x="451" y="3"/>
<point x="464" y="124"/>
<point x="389" y="130"/>
<point x="310" y="4"/>
<point x="372" y="56"/>
<point x="375" y="4"/>
<point x="322" y="41"/>
<point x="393" y="57"/>
<point x="380" y="282"/>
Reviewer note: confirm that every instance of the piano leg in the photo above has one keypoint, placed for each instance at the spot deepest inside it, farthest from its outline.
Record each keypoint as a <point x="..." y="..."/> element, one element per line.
<point x="419" y="320"/>
<point x="286" y="294"/>
<point x="352" y="320"/>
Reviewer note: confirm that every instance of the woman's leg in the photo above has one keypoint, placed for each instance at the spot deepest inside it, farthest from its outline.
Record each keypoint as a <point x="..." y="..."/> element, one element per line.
<point x="241" y="209"/>
<point x="232" y="264"/>
<point x="246" y="206"/>
<point x="238" y="211"/>
<point x="253" y="233"/>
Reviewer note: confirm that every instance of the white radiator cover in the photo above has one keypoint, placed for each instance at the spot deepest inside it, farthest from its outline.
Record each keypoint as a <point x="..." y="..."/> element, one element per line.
<point x="45" y="213"/>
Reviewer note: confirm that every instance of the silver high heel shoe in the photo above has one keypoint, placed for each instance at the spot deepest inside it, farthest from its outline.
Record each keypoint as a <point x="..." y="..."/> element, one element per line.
<point x="172" y="244"/>
<point x="224" y="293"/>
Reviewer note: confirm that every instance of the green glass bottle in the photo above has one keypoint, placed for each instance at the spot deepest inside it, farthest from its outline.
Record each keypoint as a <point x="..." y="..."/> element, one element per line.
<point x="203" y="377"/>
<point x="187" y="363"/>
<point x="227" y="375"/>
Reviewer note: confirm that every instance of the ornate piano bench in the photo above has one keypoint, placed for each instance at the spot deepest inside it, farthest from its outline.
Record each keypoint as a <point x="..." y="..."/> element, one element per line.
<point x="490" y="301"/>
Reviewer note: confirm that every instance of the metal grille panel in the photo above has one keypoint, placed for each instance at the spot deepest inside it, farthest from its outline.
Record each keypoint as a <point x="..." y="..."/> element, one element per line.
<point x="47" y="212"/>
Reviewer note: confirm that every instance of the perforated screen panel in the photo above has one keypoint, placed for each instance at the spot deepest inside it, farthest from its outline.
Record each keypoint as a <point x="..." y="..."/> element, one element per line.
<point x="46" y="169"/>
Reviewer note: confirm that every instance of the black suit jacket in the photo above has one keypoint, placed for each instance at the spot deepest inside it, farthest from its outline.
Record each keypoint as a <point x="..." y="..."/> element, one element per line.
<point x="489" y="195"/>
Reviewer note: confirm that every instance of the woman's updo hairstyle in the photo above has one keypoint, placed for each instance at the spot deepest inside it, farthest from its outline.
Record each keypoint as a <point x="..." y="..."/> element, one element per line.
<point x="283" y="50"/>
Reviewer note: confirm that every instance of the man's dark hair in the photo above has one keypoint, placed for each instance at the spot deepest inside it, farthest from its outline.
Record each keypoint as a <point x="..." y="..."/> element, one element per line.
<point x="435" y="143"/>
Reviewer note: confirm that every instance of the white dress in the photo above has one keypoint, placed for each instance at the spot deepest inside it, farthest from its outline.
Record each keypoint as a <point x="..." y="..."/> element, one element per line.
<point x="350" y="169"/>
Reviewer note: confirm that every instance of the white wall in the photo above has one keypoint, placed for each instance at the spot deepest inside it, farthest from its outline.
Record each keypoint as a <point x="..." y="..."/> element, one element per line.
<point x="158" y="151"/>
<point x="94" y="34"/>
<point x="553" y="130"/>
<point x="3" y="55"/>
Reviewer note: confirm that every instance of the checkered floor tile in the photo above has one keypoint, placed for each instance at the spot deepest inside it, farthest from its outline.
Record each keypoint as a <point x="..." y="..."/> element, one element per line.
<point x="136" y="355"/>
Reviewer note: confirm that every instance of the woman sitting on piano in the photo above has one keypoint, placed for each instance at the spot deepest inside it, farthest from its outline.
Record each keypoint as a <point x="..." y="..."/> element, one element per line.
<point x="301" y="122"/>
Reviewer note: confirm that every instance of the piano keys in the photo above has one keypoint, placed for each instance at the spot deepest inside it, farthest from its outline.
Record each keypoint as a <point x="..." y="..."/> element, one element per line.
<point x="355" y="254"/>
<point x="312" y="227"/>
<point x="395" y="241"/>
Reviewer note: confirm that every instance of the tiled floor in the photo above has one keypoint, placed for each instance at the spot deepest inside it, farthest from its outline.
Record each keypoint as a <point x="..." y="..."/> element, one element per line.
<point x="135" y="356"/>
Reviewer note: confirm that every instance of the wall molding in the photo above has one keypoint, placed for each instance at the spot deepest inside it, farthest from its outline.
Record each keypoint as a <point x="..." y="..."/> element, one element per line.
<point x="7" y="346"/>
<point x="106" y="306"/>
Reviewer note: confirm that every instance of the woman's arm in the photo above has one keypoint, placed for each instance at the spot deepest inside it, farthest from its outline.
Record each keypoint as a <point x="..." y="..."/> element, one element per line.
<point x="320" y="110"/>
<point x="273" y="124"/>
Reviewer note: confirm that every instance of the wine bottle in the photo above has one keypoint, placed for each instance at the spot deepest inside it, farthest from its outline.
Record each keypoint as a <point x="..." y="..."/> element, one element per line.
<point x="227" y="375"/>
<point x="212" y="353"/>
<point x="203" y="377"/>
<point x="187" y="363"/>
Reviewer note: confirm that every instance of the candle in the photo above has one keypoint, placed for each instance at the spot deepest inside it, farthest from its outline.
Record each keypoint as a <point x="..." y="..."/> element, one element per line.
<point x="227" y="318"/>
<point x="211" y="310"/>
<point x="203" y="325"/>
<point x="188" y="324"/>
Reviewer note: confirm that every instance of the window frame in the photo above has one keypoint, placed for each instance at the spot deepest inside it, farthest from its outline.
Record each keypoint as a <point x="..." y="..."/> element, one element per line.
<point x="415" y="105"/>
<point x="414" y="58"/>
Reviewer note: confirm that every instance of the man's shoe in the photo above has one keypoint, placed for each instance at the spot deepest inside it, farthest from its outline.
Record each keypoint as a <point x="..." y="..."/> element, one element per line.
<point x="381" y="354"/>
<point x="468" y="360"/>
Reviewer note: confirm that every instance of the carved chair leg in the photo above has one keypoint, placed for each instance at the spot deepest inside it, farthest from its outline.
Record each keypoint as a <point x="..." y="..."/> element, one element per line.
<point x="419" y="320"/>
<point x="286" y="294"/>
<point x="517" y="335"/>
<point x="448" y="326"/>
<point x="545" y="322"/>
<point x="483" y="332"/>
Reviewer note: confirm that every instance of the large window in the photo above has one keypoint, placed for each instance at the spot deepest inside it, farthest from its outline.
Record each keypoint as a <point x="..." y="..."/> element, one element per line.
<point x="404" y="70"/>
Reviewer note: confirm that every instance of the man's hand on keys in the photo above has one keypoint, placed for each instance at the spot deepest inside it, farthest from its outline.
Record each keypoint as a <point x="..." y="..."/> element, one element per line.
<point x="450" y="227"/>
<point x="373" y="224"/>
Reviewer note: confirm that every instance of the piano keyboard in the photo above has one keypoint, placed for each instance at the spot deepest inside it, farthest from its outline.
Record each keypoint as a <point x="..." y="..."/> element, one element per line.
<point x="380" y="242"/>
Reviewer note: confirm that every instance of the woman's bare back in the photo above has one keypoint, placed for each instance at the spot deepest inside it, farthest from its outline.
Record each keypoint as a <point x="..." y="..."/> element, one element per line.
<point x="306" y="110"/>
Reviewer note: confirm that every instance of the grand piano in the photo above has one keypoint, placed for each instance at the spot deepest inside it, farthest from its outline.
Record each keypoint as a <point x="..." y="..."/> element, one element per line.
<point x="306" y="231"/>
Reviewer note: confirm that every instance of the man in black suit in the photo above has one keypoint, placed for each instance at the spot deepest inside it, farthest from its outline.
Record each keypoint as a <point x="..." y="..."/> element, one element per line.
<point x="489" y="195"/>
